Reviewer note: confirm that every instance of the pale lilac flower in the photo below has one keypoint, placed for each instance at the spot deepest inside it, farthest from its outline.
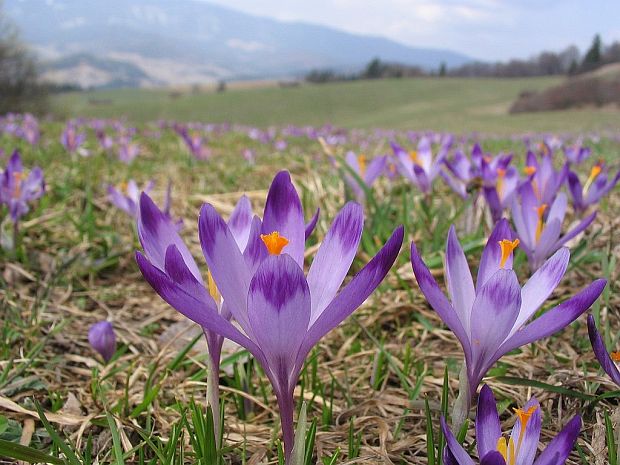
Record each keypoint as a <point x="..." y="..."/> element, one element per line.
<point x="539" y="226"/>
<point x="594" y="189"/>
<point x="367" y="172"/>
<point x="127" y="195"/>
<point x="72" y="140"/>
<point x="419" y="166"/>
<point x="545" y="179"/>
<point x="281" y="312"/>
<point x="18" y="188"/>
<point x="492" y="317"/>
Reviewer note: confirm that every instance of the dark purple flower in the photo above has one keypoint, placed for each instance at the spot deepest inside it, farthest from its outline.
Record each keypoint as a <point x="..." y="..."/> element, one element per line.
<point x="500" y="182"/>
<point x="281" y="312"/>
<point x="102" y="338"/>
<point x="521" y="447"/>
<point x="594" y="189"/>
<point x="539" y="226"/>
<point x="18" y="188"/>
<point x="195" y="143"/>
<point x="492" y="317"/>
<point x="607" y="360"/>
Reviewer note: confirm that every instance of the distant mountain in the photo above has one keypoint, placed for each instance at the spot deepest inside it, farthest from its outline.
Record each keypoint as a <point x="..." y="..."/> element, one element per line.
<point x="163" y="42"/>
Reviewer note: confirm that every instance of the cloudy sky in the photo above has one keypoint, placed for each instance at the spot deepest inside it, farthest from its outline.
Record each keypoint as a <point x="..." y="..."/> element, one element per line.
<point x="486" y="29"/>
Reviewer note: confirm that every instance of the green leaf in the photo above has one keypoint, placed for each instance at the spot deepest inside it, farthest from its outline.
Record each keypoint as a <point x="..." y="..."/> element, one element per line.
<point x="16" y="451"/>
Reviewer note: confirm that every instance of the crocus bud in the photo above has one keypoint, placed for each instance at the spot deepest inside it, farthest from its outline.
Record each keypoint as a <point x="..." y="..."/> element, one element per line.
<point x="101" y="336"/>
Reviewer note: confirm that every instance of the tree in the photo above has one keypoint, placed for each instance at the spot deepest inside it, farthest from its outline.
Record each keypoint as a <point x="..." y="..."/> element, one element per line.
<point x="20" y="90"/>
<point x="442" y="69"/>
<point x="592" y="59"/>
<point x="374" y="70"/>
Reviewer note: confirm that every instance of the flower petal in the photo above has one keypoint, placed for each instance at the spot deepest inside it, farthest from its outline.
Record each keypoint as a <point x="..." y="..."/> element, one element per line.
<point x="540" y="286"/>
<point x="156" y="233"/>
<point x="493" y="458"/>
<point x="488" y="428"/>
<point x="458" y="280"/>
<point x="460" y="455"/>
<point x="355" y="292"/>
<point x="310" y="225"/>
<point x="438" y="300"/>
<point x="334" y="257"/>
<point x="279" y="313"/>
<point x="527" y="442"/>
<point x="555" y="319"/>
<point x="226" y="263"/>
<point x="284" y="213"/>
<point x="194" y="309"/>
<point x="558" y="450"/>
<point x="240" y="222"/>
<point x="494" y="312"/>
<point x="601" y="352"/>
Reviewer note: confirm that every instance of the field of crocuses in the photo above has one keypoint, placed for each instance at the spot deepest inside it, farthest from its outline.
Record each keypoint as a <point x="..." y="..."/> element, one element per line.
<point x="222" y="294"/>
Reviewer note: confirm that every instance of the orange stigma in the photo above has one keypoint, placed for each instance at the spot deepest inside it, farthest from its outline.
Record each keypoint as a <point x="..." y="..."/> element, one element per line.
<point x="414" y="157"/>
<point x="615" y="356"/>
<point x="123" y="187"/>
<point x="17" y="179"/>
<point x="529" y="170"/>
<point x="524" y="416"/>
<point x="507" y="248"/>
<point x="361" y="161"/>
<point x="540" y="211"/>
<point x="501" y="173"/>
<point x="594" y="172"/>
<point x="274" y="242"/>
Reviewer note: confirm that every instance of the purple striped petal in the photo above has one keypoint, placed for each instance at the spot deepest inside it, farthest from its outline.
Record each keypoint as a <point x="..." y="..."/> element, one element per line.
<point x="576" y="189"/>
<point x="540" y="286"/>
<point x="561" y="446"/>
<point x="458" y="280"/>
<point x="557" y="211"/>
<point x="437" y="300"/>
<point x="226" y="263"/>
<point x="178" y="271"/>
<point x="334" y="257"/>
<point x="555" y="319"/>
<point x="460" y="455"/>
<point x="193" y="308"/>
<point x="284" y="214"/>
<point x="601" y="352"/>
<point x="355" y="292"/>
<point x="492" y="253"/>
<point x="494" y="313"/>
<point x="156" y="233"/>
<point x="240" y="222"/>
<point x="488" y="428"/>
<point x="279" y="313"/>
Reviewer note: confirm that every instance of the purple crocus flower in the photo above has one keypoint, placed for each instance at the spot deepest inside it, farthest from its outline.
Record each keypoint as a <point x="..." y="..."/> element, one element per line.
<point x="577" y="152"/>
<point x="17" y="188"/>
<point x="461" y="172"/>
<point x="607" y="360"/>
<point x="102" y="338"/>
<point x="418" y="166"/>
<point x="545" y="179"/>
<point x="367" y="172"/>
<point x="521" y="447"/>
<point x="500" y="182"/>
<point x="281" y="312"/>
<point x="539" y="226"/>
<point x="195" y="143"/>
<point x="72" y="140"/>
<point x="127" y="195"/>
<point x="492" y="317"/>
<point x="596" y="186"/>
<point x="127" y="149"/>
<point x="157" y="235"/>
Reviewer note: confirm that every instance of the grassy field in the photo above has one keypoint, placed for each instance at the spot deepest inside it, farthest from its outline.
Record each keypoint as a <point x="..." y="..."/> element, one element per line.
<point x="447" y="104"/>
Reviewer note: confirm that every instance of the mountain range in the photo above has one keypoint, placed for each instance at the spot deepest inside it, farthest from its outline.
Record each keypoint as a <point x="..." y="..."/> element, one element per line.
<point x="112" y="43"/>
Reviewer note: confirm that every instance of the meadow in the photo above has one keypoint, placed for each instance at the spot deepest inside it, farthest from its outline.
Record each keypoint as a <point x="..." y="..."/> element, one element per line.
<point x="449" y="104"/>
<point x="375" y="387"/>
